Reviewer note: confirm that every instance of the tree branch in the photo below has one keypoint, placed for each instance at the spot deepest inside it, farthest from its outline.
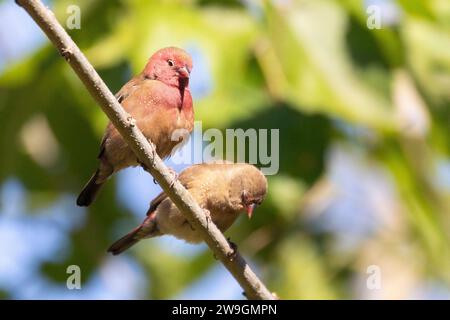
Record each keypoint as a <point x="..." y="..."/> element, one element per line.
<point x="145" y="151"/>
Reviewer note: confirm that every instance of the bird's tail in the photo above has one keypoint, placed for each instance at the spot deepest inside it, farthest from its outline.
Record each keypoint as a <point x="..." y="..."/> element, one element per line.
<point x="90" y="190"/>
<point x="125" y="242"/>
<point x="147" y="229"/>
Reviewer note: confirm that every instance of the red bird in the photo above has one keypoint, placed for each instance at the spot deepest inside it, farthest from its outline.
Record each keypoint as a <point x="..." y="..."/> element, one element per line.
<point x="160" y="101"/>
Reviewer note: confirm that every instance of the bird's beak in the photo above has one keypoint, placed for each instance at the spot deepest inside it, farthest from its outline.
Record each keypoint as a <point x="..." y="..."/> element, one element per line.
<point x="250" y="209"/>
<point x="183" y="72"/>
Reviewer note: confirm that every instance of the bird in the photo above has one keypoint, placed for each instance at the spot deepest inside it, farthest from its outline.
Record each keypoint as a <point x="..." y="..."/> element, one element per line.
<point x="222" y="190"/>
<point x="160" y="101"/>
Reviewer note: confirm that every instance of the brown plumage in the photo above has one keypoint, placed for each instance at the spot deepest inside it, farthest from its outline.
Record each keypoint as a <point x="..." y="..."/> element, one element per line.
<point x="222" y="189"/>
<point x="160" y="101"/>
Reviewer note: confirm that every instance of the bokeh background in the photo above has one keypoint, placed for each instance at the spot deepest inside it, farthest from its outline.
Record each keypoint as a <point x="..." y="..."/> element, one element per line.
<point x="364" y="119"/>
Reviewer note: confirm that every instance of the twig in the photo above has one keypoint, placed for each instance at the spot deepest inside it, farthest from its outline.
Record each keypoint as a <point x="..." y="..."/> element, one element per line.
<point x="145" y="151"/>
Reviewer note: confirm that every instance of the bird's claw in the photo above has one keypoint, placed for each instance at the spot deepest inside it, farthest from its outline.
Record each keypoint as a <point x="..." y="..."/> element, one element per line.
<point x="232" y="255"/>
<point x="153" y="158"/>
<point x="208" y="217"/>
<point x="174" y="177"/>
<point x="143" y="166"/>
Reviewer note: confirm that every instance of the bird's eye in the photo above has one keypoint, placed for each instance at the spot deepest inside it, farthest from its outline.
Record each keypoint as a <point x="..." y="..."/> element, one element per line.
<point x="170" y="62"/>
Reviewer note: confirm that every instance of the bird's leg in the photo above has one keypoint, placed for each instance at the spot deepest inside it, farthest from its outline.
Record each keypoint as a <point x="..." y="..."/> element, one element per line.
<point x="208" y="220"/>
<point x="174" y="176"/>
<point x="143" y="165"/>
<point x="232" y="255"/>
<point x="208" y="217"/>
<point x="153" y="151"/>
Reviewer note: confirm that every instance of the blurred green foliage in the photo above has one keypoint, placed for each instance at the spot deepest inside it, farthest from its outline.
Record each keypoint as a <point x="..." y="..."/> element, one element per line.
<point x="309" y="67"/>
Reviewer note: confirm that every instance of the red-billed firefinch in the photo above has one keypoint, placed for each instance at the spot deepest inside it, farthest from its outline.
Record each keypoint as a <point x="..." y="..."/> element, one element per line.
<point x="160" y="101"/>
<point x="223" y="190"/>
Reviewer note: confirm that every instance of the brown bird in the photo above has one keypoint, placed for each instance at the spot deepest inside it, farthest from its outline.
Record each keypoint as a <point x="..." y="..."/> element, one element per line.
<point x="160" y="101"/>
<point x="223" y="190"/>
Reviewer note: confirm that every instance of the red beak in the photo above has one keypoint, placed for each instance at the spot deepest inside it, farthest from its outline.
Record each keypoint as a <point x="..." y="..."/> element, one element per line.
<point x="250" y="209"/>
<point x="183" y="72"/>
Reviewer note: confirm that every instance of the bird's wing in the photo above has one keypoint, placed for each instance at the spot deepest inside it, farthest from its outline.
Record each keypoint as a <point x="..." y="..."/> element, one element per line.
<point x="188" y="179"/>
<point x="156" y="202"/>
<point x="124" y="92"/>
<point x="128" y="88"/>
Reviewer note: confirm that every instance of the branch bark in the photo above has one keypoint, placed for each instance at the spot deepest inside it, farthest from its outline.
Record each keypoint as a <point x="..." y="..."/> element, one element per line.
<point x="254" y="288"/>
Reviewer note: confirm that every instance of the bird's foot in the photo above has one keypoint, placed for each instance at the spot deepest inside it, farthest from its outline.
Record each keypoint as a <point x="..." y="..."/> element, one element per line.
<point x="174" y="177"/>
<point x="208" y="217"/>
<point x="143" y="166"/>
<point x="232" y="255"/>
<point x="153" y="158"/>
